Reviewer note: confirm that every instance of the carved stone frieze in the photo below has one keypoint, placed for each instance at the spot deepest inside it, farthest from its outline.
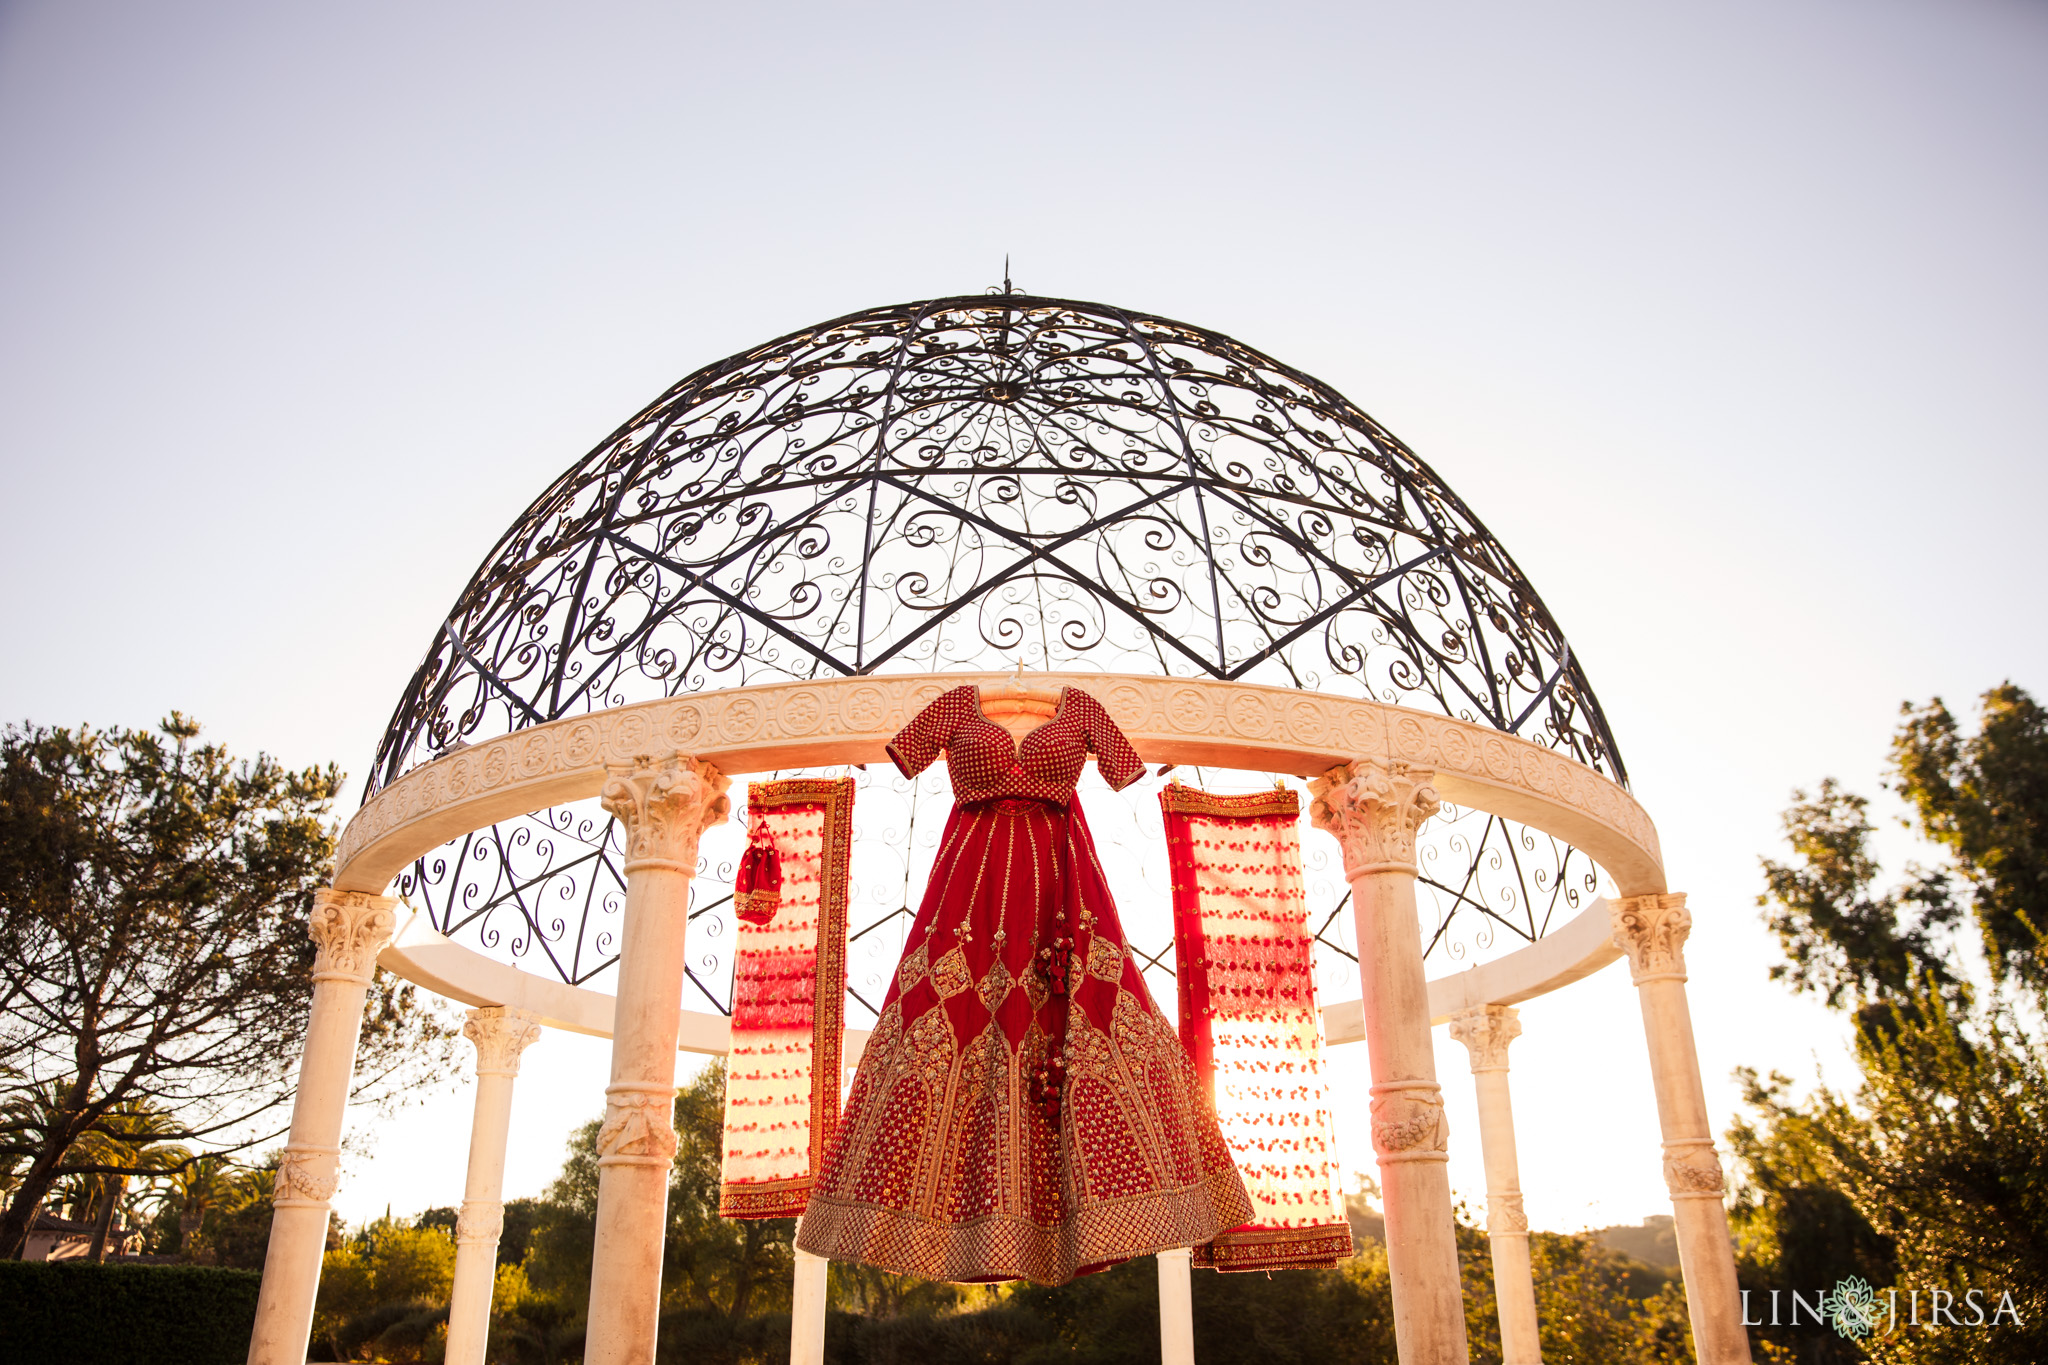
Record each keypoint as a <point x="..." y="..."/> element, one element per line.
<point x="1693" y="1170"/>
<point x="814" y="723"/>
<point x="639" y="1128"/>
<point x="1408" y="1122"/>
<point x="1652" y="930"/>
<point x="1486" y="1031"/>
<point x="500" y="1035"/>
<point x="306" y="1175"/>
<point x="350" y="928"/>
<point x="1505" y="1216"/>
<point x="665" y="802"/>
<point x="1374" y="810"/>
<point x="480" y="1220"/>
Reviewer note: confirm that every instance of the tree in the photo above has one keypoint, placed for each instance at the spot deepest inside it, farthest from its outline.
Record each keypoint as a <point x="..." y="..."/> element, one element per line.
<point x="732" y="1267"/>
<point x="735" y="1266"/>
<point x="235" y="1232"/>
<point x="1796" y="1226"/>
<point x="154" y="895"/>
<point x="1592" y="1302"/>
<point x="1929" y="1173"/>
<point x="1845" y="940"/>
<point x="1985" y="798"/>
<point x="200" y="1187"/>
<point x="1980" y="797"/>
<point x="127" y="1143"/>
<point x="386" y="1286"/>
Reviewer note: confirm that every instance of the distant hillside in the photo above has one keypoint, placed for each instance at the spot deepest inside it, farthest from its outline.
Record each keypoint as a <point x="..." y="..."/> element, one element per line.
<point x="1367" y="1225"/>
<point x="1655" y="1243"/>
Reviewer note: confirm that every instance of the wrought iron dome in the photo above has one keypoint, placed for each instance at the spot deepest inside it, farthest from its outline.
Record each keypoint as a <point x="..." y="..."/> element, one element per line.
<point x="958" y="482"/>
<point x="965" y="482"/>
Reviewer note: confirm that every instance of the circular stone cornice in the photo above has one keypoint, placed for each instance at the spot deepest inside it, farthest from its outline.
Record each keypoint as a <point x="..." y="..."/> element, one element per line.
<point x="822" y="723"/>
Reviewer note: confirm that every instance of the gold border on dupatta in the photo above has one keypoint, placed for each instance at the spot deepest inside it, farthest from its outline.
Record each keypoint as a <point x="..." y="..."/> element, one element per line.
<point x="787" y="1198"/>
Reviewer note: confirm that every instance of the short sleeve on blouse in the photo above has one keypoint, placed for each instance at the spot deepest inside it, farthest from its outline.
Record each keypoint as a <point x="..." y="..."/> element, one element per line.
<point x="1115" y="759"/>
<point x="917" y="744"/>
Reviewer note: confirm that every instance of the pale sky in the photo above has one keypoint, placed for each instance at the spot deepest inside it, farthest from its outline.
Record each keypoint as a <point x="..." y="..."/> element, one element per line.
<point x="1730" y="320"/>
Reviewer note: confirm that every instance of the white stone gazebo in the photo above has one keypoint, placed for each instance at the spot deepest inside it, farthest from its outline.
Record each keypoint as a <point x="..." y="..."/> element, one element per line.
<point x="776" y="565"/>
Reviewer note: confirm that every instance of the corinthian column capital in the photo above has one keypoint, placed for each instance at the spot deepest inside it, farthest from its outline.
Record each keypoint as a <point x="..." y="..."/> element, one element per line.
<point x="500" y="1035"/>
<point x="350" y="928"/>
<point x="1652" y="931"/>
<point x="1374" y="810"/>
<point x="1486" y="1031"/>
<point x="665" y="802"/>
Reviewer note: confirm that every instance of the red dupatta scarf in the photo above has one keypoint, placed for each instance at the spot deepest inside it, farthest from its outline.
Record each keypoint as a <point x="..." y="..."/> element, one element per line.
<point x="783" y="1068"/>
<point x="1245" y="964"/>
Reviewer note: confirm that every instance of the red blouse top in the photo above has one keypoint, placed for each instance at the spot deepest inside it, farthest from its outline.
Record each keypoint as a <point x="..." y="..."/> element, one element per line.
<point x="986" y="763"/>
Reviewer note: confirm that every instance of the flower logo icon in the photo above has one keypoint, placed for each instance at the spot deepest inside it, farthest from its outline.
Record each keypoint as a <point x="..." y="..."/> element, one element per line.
<point x="1852" y="1308"/>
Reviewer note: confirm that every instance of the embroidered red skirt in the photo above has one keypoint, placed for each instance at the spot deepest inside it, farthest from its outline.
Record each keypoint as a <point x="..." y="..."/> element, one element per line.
<point x="1023" y="1110"/>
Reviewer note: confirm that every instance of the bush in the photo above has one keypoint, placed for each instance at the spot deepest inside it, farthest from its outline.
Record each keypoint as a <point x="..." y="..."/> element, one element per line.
<point x="387" y="1286"/>
<point x="84" y="1314"/>
<point x="990" y="1336"/>
<point x="705" y="1336"/>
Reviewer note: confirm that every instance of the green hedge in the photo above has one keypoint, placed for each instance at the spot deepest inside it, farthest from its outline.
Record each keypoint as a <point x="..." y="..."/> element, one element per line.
<point x="85" y="1314"/>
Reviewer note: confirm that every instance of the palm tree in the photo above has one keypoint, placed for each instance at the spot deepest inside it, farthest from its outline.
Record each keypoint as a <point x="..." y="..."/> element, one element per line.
<point x="201" y="1185"/>
<point x="127" y="1142"/>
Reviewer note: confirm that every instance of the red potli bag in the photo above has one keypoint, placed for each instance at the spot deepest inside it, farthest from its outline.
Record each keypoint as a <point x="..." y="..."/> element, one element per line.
<point x="757" y="886"/>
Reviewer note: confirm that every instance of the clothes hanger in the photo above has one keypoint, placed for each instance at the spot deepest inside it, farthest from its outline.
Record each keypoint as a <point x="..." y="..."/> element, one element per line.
<point x="1013" y="695"/>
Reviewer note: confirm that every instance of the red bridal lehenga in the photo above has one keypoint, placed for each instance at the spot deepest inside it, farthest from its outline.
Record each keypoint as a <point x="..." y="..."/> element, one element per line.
<point x="1022" y="1110"/>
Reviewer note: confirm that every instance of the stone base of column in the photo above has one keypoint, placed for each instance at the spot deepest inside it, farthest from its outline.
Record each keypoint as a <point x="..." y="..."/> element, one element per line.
<point x="807" y="1309"/>
<point x="1512" y="1290"/>
<point x="291" y="1281"/>
<point x="626" y="1262"/>
<point x="477" y="1229"/>
<point x="1706" y="1260"/>
<point x="1429" y="1294"/>
<point x="1177" y="1307"/>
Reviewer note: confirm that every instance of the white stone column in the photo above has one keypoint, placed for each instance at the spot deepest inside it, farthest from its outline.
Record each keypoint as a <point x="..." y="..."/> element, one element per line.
<point x="1652" y="931"/>
<point x="1177" y="1306"/>
<point x="500" y="1035"/>
<point x="349" y="928"/>
<point x="810" y="1284"/>
<point x="1486" y="1031"/>
<point x="1374" y="811"/>
<point x="664" y="804"/>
